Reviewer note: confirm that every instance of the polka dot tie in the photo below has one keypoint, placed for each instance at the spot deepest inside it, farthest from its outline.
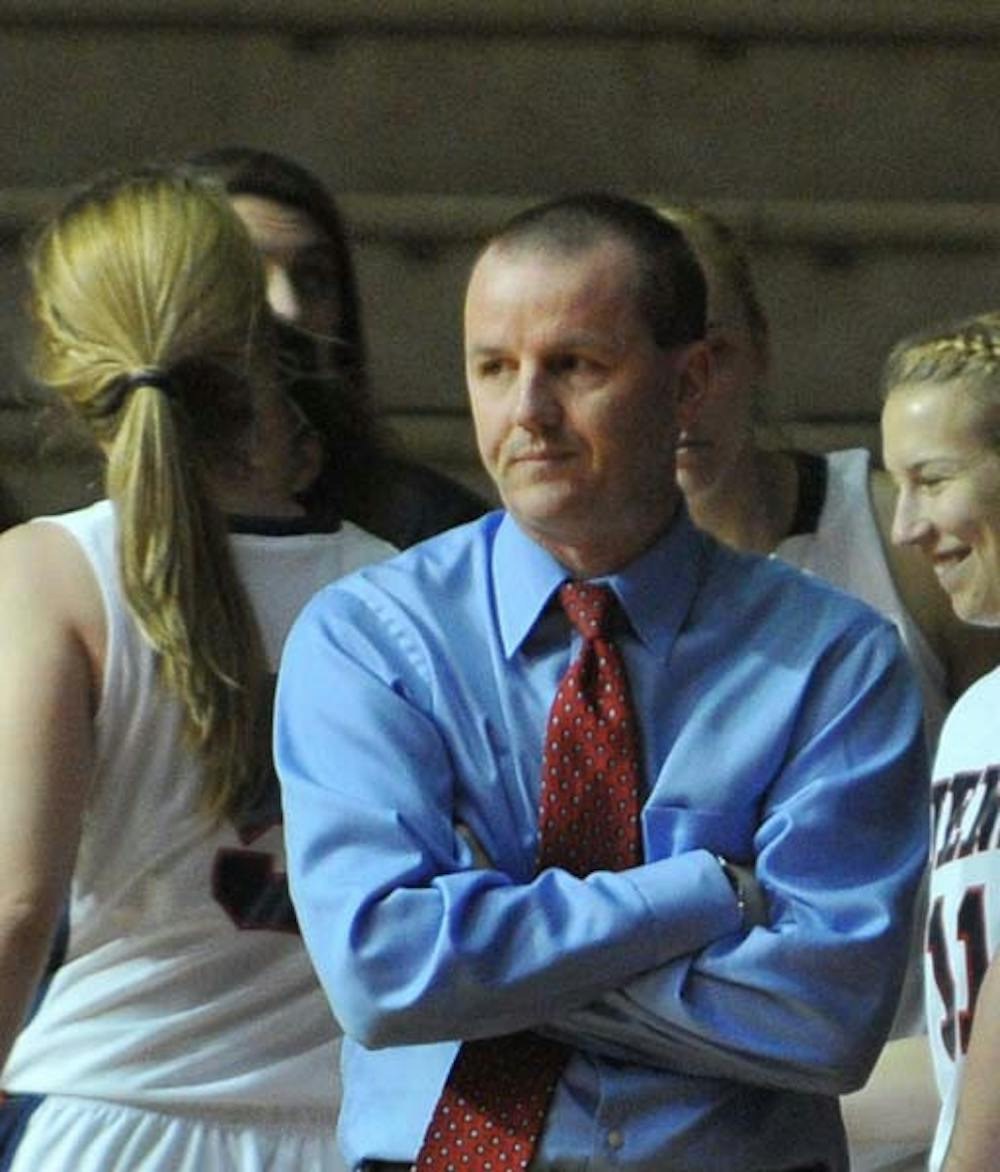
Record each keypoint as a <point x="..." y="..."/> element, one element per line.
<point x="493" y="1106"/>
<point x="589" y="814"/>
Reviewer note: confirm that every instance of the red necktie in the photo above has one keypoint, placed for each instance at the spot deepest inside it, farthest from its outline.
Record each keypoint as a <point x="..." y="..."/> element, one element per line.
<point x="492" y="1109"/>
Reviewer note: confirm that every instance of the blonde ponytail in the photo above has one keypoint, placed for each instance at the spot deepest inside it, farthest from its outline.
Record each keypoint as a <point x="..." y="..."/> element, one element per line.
<point x="148" y="298"/>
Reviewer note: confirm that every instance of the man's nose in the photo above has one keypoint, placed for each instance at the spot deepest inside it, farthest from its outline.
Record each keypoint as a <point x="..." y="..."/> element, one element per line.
<point x="538" y="405"/>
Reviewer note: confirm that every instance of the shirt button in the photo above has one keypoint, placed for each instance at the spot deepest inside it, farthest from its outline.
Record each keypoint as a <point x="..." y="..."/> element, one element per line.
<point x="615" y="1140"/>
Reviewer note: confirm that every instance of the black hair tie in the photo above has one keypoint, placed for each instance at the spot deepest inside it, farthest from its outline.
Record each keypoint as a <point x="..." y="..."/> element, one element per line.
<point x="151" y="376"/>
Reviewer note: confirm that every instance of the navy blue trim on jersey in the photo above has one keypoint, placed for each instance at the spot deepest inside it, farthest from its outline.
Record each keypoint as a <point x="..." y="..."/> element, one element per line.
<point x="15" y="1111"/>
<point x="327" y="521"/>
<point x="812" y="474"/>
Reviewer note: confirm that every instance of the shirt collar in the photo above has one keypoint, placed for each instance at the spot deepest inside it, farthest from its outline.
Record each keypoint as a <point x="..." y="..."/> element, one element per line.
<point x="655" y="590"/>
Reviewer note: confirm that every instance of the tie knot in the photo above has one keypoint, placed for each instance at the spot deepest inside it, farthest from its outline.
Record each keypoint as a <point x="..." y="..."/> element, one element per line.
<point x="589" y="608"/>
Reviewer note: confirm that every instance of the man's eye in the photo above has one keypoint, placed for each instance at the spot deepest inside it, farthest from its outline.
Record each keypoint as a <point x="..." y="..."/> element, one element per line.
<point x="574" y="364"/>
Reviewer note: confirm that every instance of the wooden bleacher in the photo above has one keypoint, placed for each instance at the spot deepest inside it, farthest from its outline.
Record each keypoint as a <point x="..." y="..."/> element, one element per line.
<point x="853" y="145"/>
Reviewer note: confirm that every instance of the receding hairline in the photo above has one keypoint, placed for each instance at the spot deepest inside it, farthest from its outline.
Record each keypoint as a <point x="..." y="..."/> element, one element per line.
<point x="548" y="248"/>
<point x="667" y="279"/>
<point x="553" y="240"/>
<point x="523" y="250"/>
<point x="526" y="246"/>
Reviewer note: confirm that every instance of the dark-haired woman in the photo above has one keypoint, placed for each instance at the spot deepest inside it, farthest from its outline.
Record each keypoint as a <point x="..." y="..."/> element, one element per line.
<point x="294" y="220"/>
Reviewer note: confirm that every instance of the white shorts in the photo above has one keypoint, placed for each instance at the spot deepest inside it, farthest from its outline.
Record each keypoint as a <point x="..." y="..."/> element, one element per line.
<point x="82" y="1135"/>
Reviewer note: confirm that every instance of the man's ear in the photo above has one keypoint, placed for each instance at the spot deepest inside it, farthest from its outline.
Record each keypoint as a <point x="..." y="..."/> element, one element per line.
<point x="692" y="382"/>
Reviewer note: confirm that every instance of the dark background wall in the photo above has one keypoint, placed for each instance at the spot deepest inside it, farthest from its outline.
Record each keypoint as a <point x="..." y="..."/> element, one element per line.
<point x="856" y="145"/>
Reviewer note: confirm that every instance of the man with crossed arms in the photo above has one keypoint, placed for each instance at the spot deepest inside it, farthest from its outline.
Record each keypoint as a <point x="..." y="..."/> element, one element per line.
<point x="708" y="1001"/>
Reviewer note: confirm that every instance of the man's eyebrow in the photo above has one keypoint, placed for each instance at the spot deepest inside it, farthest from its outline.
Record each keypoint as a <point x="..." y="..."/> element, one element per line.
<point x="585" y="340"/>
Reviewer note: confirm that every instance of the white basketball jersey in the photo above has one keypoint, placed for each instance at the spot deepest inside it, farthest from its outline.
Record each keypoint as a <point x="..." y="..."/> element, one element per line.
<point x="185" y="985"/>
<point x="963" y="927"/>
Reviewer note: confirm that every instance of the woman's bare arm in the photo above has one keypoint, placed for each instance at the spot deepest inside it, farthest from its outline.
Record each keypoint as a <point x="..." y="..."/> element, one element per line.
<point x="49" y="630"/>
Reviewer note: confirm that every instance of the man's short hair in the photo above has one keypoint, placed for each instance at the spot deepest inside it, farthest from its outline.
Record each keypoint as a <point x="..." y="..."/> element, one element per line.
<point x="671" y="289"/>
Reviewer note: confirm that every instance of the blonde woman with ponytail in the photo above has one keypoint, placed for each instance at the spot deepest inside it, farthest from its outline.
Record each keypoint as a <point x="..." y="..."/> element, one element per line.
<point x="179" y="1025"/>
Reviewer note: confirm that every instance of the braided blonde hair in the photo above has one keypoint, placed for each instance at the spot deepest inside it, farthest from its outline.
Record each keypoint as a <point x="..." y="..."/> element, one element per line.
<point x="968" y="350"/>
<point x="148" y="302"/>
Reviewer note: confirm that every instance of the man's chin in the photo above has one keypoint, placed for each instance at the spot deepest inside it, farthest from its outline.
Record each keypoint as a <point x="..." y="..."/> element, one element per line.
<point x="547" y="508"/>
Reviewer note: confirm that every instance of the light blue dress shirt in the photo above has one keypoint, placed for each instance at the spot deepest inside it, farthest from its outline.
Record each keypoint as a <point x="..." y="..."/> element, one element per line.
<point x="781" y="727"/>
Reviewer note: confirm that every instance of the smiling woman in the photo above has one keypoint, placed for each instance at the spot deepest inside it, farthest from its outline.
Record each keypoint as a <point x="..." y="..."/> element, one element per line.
<point x="940" y="427"/>
<point x="941" y="441"/>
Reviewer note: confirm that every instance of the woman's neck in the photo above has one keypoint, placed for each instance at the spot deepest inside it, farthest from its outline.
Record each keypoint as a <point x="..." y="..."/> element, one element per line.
<point x="752" y="506"/>
<point x="245" y="498"/>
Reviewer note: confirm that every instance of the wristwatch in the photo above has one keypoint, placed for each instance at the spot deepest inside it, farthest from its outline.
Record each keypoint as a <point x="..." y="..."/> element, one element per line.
<point x="736" y="883"/>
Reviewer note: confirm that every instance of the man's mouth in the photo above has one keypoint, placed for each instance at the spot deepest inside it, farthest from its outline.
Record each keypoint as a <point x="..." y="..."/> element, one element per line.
<point x="537" y="455"/>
